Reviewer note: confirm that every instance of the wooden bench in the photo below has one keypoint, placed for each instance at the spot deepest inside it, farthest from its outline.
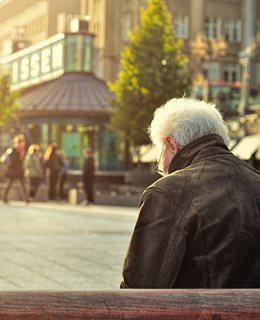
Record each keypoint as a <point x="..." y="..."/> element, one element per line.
<point x="213" y="304"/>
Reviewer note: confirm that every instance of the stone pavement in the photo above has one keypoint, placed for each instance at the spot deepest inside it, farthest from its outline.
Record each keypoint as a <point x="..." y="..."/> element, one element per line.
<point x="50" y="246"/>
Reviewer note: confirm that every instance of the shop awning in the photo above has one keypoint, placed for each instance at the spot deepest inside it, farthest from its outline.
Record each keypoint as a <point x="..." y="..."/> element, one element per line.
<point x="72" y="93"/>
<point x="247" y="146"/>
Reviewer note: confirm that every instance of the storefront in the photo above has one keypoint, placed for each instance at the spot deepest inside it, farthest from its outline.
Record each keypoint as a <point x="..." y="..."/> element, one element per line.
<point x="62" y="101"/>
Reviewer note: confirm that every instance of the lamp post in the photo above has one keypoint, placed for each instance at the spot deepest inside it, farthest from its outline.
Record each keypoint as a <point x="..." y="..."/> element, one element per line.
<point x="244" y="59"/>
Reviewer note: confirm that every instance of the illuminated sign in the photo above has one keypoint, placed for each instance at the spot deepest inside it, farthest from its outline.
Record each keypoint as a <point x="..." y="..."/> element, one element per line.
<point x="49" y="59"/>
<point x="37" y="64"/>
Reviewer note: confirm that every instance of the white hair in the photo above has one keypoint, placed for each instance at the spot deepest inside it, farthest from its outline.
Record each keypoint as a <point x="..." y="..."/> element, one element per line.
<point x="186" y="119"/>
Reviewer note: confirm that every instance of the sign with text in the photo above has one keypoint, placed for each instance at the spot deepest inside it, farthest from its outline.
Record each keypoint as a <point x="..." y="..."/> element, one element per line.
<point x="49" y="59"/>
<point x="37" y="63"/>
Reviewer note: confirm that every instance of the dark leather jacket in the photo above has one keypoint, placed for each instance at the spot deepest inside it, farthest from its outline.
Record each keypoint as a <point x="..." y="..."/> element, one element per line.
<point x="198" y="227"/>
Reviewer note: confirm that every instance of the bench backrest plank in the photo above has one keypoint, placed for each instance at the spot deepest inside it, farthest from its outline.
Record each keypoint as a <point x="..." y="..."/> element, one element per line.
<point x="213" y="304"/>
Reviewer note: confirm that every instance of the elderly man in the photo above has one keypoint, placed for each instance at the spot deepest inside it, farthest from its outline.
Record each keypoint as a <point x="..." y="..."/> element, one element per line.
<point x="199" y="225"/>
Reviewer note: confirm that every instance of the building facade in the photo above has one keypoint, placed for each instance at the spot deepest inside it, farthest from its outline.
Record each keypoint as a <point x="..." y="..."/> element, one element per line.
<point x="26" y="22"/>
<point x="215" y="34"/>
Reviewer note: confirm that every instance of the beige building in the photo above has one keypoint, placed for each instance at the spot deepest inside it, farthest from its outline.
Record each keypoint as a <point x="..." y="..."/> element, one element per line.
<point x="214" y="33"/>
<point x="110" y="22"/>
<point x="26" y="22"/>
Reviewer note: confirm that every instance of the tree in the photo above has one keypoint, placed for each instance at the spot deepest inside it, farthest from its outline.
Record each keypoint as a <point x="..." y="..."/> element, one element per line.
<point x="153" y="70"/>
<point x="7" y="100"/>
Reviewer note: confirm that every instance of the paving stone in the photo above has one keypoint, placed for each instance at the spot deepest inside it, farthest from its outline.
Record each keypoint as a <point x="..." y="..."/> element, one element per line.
<point x="52" y="246"/>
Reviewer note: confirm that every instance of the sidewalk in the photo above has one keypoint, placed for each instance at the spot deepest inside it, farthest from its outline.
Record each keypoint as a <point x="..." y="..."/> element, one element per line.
<point x="116" y="195"/>
<point x="55" y="246"/>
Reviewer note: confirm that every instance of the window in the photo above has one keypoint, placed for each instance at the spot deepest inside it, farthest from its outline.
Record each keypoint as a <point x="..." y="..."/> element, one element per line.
<point x="73" y="53"/>
<point x="126" y="25"/>
<point x="258" y="29"/>
<point x="257" y="76"/>
<point x="7" y="47"/>
<point x="231" y="72"/>
<point x="19" y="32"/>
<point x="232" y="30"/>
<point x="212" y="28"/>
<point x="181" y="26"/>
<point x="211" y="70"/>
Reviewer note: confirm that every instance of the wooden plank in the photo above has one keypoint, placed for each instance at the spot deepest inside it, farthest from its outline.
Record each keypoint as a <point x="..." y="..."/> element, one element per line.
<point x="213" y="304"/>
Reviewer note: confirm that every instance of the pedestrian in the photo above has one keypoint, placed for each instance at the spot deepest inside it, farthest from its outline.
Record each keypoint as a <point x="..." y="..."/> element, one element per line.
<point x="33" y="168"/>
<point x="199" y="225"/>
<point x="53" y="163"/>
<point x="89" y="175"/>
<point x="14" y="170"/>
<point x="63" y="173"/>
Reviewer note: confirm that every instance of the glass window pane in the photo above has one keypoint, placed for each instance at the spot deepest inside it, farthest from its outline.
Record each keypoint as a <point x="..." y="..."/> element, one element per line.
<point x="73" y="53"/>
<point x="87" y="58"/>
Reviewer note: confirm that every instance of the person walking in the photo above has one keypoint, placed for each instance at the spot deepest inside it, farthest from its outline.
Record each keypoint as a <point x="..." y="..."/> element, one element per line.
<point x="33" y="168"/>
<point x="63" y="173"/>
<point x="199" y="225"/>
<point x="89" y="175"/>
<point x="54" y="163"/>
<point x="14" y="170"/>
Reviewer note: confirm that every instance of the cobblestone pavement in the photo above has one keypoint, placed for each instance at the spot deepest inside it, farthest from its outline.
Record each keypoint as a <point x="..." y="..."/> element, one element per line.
<point x="60" y="247"/>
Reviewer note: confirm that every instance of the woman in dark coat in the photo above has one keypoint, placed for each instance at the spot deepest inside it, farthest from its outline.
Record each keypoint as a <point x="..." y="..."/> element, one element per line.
<point x="54" y="163"/>
<point x="14" y="169"/>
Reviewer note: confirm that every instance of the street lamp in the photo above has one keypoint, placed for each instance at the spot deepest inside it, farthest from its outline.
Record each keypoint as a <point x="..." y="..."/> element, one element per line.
<point x="244" y="59"/>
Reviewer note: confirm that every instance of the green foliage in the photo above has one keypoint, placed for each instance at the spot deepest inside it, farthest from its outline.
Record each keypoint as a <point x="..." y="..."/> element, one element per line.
<point x="7" y="100"/>
<point x="153" y="70"/>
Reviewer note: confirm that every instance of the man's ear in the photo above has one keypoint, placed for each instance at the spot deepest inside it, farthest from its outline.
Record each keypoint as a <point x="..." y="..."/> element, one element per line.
<point x="173" y="145"/>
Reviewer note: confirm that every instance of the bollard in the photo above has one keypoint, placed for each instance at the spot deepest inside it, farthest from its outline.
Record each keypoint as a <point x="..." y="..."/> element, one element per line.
<point x="73" y="197"/>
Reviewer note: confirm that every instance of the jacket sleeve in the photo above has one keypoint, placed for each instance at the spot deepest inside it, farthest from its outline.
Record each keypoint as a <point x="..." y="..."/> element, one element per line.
<point x="157" y="245"/>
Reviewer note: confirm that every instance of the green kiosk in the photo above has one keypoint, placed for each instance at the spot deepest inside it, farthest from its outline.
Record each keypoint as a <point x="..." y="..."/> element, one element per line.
<point x="62" y="101"/>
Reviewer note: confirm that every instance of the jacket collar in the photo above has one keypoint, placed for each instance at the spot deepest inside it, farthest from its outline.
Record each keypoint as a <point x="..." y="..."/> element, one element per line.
<point x="199" y="149"/>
